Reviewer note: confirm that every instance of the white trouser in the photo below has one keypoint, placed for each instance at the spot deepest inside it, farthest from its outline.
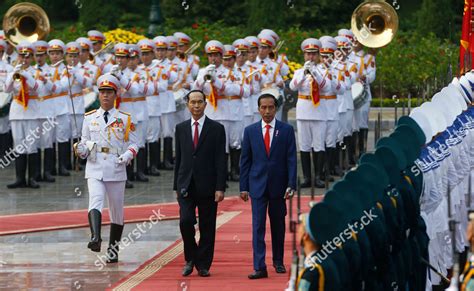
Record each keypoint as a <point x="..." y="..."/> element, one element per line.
<point x="331" y="133"/>
<point x="63" y="128"/>
<point x="153" y="129"/>
<point x="180" y="116"/>
<point x="26" y="136"/>
<point x="256" y="117"/>
<point x="115" y="196"/>
<point x="233" y="134"/>
<point x="167" y="124"/>
<point x="47" y="134"/>
<point x="76" y="132"/>
<point x="345" y="125"/>
<point x="361" y="116"/>
<point x="311" y="135"/>
<point x="248" y="119"/>
<point x="4" y="124"/>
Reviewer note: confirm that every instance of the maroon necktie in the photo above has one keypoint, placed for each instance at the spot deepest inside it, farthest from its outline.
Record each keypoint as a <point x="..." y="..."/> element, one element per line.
<point x="196" y="134"/>
<point x="267" y="139"/>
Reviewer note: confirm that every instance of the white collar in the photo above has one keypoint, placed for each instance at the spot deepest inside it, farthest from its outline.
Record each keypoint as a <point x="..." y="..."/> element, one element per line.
<point x="101" y="111"/>
<point x="272" y="123"/>
<point x="200" y="120"/>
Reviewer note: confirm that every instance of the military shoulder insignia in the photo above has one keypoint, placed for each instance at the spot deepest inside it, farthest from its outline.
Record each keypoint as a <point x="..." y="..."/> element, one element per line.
<point x="90" y="112"/>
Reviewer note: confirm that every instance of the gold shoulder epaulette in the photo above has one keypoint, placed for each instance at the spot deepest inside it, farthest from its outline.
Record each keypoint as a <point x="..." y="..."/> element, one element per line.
<point x="126" y="113"/>
<point x="90" y="112"/>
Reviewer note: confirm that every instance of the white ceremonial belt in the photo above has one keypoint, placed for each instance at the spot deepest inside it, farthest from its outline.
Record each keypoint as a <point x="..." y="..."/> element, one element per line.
<point x="107" y="150"/>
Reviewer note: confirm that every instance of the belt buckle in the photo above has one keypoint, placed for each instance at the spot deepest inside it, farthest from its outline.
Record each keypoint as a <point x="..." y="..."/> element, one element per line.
<point x="229" y="98"/>
<point x="105" y="150"/>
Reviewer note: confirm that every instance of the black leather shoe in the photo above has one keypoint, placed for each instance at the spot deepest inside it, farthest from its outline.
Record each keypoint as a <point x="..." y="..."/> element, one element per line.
<point x="47" y="177"/>
<point x="33" y="184"/>
<point x="140" y="177"/>
<point x="318" y="183"/>
<point x="306" y="183"/>
<point x="280" y="269"/>
<point x="128" y="184"/>
<point x="204" y="273"/>
<point x="17" y="184"/>
<point x="188" y="268"/>
<point x="154" y="171"/>
<point x="259" y="275"/>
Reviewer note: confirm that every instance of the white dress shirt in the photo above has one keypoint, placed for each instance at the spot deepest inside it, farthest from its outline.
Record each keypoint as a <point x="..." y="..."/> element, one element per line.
<point x="201" y="124"/>
<point x="272" y="128"/>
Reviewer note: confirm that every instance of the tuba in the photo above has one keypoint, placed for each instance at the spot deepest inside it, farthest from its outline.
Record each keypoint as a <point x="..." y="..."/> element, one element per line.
<point x="374" y="23"/>
<point x="25" y="22"/>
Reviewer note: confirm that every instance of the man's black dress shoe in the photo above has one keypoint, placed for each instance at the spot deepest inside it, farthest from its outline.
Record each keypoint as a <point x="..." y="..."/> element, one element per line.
<point x="188" y="268"/>
<point x="259" y="274"/>
<point x="204" y="273"/>
<point x="280" y="269"/>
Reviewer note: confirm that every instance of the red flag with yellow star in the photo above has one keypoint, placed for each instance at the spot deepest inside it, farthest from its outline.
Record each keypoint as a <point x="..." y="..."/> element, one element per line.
<point x="466" y="50"/>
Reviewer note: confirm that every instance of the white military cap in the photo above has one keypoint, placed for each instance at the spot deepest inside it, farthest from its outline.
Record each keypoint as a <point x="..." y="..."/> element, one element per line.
<point x="73" y="48"/>
<point x="229" y="51"/>
<point x="214" y="46"/>
<point x="455" y="91"/>
<point x="56" y="45"/>
<point x="423" y="122"/>
<point x="40" y="47"/>
<point x="273" y="34"/>
<point x="328" y="45"/>
<point x="463" y="87"/>
<point x="310" y="45"/>
<point x="442" y="101"/>
<point x="95" y="36"/>
<point x="182" y="37"/>
<point x="436" y="119"/>
<point x="146" y="45"/>
<point x="108" y="81"/>
<point x="85" y="43"/>
<point x="121" y="50"/>
<point x="133" y="50"/>
<point x="347" y="33"/>
<point x="342" y="41"/>
<point x="172" y="42"/>
<point x="451" y="99"/>
<point x="266" y="39"/>
<point x="253" y="41"/>
<point x="24" y="48"/>
<point x="161" y="42"/>
<point x="241" y="44"/>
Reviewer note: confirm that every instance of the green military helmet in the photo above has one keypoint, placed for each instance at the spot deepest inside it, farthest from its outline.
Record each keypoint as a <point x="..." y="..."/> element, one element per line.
<point x="324" y="222"/>
<point x="407" y="138"/>
<point x="346" y="190"/>
<point x="374" y="161"/>
<point x="410" y="122"/>
<point x="389" y="160"/>
<point x="366" y="178"/>
<point x="396" y="148"/>
<point x="343" y="204"/>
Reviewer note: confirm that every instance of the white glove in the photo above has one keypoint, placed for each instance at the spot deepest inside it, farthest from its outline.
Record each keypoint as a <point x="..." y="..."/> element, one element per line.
<point x="17" y="68"/>
<point x="211" y="70"/>
<point x="125" y="158"/>
<point x="81" y="150"/>
<point x="308" y="65"/>
<point x="115" y="70"/>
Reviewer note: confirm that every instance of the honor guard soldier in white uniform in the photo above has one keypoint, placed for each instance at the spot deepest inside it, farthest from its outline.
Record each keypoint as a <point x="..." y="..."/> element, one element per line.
<point x="62" y="130"/>
<point x="46" y="112"/>
<point x="5" y="133"/>
<point x="366" y="75"/>
<point x="183" y="82"/>
<point x="103" y="59"/>
<point x="10" y="55"/>
<point x="151" y="69"/>
<point x="328" y="97"/>
<point x="269" y="68"/>
<point x="280" y="59"/>
<point x="346" y="104"/>
<point x="108" y="143"/>
<point x="311" y="115"/>
<point x="85" y="61"/>
<point x="248" y="75"/>
<point x="26" y="129"/>
<point x="221" y="92"/>
<point x="168" y="73"/>
<point x="75" y="79"/>
<point x="192" y="60"/>
<point x="140" y="108"/>
<point x="131" y="88"/>
<point x="259" y="79"/>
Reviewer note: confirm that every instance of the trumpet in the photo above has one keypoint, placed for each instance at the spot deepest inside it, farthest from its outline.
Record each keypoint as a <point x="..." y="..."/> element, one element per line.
<point x="208" y="77"/>
<point x="17" y="75"/>
<point x="274" y="52"/>
<point x="105" y="48"/>
<point x="190" y="50"/>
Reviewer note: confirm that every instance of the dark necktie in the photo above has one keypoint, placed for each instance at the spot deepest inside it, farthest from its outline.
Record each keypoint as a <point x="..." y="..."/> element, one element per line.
<point x="196" y="134"/>
<point x="106" y="118"/>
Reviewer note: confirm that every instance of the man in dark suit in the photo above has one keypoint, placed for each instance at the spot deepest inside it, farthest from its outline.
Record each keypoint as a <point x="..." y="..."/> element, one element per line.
<point x="199" y="181"/>
<point x="268" y="176"/>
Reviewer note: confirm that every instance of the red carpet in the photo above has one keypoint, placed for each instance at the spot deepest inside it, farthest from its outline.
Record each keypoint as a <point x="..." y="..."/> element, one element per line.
<point x="232" y="259"/>
<point x="42" y="221"/>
